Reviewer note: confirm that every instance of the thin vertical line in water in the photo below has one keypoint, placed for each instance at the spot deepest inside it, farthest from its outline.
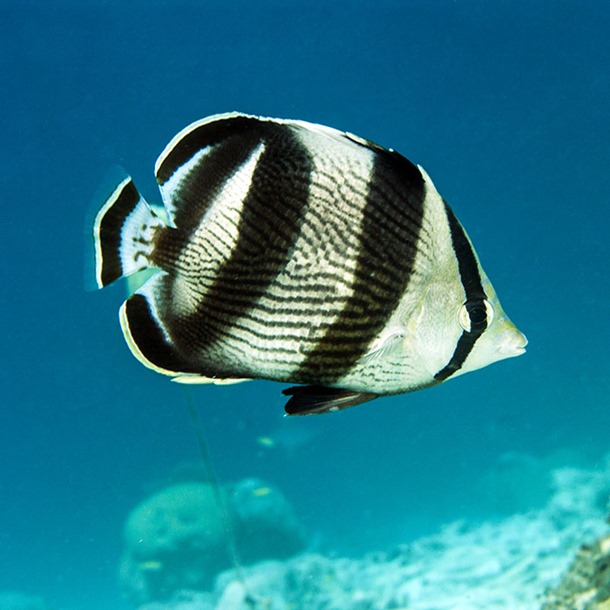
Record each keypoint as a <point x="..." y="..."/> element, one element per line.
<point x="227" y="522"/>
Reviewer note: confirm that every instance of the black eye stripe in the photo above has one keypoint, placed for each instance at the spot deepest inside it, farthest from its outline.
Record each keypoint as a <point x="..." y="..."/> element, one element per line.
<point x="477" y="312"/>
<point x="475" y="297"/>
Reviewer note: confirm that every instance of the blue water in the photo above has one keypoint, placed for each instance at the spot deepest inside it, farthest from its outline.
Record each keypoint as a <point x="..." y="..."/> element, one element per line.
<point x="506" y="106"/>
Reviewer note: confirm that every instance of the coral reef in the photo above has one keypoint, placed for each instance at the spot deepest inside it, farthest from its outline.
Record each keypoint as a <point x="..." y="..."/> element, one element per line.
<point x="495" y="565"/>
<point x="265" y="523"/>
<point x="176" y="559"/>
<point x="175" y="540"/>
<point x="518" y="482"/>
<point x="586" y="585"/>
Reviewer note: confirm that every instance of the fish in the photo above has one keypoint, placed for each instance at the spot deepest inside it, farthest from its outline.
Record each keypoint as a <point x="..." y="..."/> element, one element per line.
<point x="289" y="439"/>
<point x="295" y="252"/>
<point x="266" y="441"/>
<point x="259" y="492"/>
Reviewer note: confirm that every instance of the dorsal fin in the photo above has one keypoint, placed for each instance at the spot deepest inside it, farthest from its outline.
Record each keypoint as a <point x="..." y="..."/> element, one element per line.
<point x="194" y="167"/>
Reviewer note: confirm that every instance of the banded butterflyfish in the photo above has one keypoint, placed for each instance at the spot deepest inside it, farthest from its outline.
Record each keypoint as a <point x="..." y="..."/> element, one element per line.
<point x="294" y="252"/>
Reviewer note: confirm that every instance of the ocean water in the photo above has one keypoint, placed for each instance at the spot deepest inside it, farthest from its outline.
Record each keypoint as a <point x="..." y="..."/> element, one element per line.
<point x="506" y="106"/>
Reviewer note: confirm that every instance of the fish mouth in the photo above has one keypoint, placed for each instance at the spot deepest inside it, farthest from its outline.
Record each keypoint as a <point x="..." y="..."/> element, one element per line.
<point x="514" y="344"/>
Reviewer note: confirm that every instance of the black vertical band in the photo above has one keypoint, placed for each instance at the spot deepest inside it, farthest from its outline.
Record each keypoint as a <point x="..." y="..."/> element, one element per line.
<point x="475" y="297"/>
<point x="391" y="225"/>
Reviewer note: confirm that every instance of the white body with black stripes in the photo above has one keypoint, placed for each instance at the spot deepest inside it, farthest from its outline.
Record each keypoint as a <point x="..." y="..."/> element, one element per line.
<point x="298" y="253"/>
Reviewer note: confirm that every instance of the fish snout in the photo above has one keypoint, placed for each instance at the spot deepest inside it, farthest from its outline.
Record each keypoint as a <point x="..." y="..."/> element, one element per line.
<point x="512" y="341"/>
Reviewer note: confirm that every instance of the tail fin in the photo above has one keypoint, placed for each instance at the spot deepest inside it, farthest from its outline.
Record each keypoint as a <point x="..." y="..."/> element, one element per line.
<point x="123" y="232"/>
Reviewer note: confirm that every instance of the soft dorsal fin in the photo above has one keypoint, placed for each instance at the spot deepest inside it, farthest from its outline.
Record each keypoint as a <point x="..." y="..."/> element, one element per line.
<point x="314" y="399"/>
<point x="193" y="170"/>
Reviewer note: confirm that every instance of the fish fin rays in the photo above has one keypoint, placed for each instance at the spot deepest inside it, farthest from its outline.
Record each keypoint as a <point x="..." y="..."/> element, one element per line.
<point x="384" y="347"/>
<point x="123" y="234"/>
<point x="314" y="400"/>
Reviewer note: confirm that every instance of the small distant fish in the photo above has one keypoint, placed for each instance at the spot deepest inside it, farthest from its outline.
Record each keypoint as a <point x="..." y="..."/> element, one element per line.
<point x="291" y="440"/>
<point x="298" y="253"/>
<point x="150" y="566"/>
<point x="266" y="441"/>
<point x="259" y="492"/>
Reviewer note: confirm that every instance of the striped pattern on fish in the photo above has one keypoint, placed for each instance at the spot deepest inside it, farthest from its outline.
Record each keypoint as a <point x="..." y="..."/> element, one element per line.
<point x="298" y="253"/>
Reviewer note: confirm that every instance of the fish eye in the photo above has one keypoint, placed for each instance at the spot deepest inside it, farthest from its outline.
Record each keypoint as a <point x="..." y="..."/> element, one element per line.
<point x="476" y="315"/>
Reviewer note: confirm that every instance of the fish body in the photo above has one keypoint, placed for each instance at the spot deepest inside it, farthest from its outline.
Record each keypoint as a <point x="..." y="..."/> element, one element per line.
<point x="298" y="253"/>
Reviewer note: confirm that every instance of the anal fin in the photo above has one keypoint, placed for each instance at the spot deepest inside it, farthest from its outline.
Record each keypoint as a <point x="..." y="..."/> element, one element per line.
<point x="145" y="335"/>
<point x="152" y="343"/>
<point x="314" y="400"/>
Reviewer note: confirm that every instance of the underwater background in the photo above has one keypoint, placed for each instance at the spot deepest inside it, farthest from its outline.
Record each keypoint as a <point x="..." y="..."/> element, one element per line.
<point x="505" y="104"/>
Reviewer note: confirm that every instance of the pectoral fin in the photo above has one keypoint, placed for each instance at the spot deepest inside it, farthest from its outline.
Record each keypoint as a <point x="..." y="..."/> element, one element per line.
<point x="385" y="347"/>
